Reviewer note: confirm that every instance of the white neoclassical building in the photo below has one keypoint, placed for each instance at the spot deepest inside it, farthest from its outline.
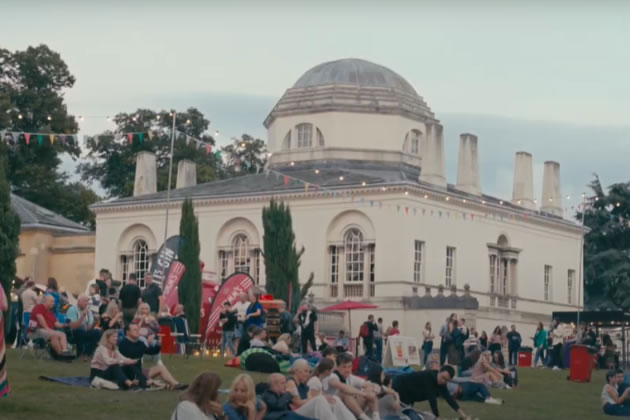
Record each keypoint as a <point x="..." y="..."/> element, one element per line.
<point x="358" y="155"/>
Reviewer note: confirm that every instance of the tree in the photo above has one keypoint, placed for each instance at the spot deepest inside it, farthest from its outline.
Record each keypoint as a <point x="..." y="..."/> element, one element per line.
<point x="32" y="84"/>
<point x="282" y="260"/>
<point x="607" y="246"/>
<point x="189" y="290"/>
<point x="244" y="156"/>
<point x="112" y="159"/>
<point x="9" y="232"/>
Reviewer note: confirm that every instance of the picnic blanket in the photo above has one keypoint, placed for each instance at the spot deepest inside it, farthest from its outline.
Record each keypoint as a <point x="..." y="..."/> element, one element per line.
<point x="81" y="381"/>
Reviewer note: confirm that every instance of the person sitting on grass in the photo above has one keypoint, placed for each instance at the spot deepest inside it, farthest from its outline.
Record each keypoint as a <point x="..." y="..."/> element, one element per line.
<point x="42" y="326"/>
<point x="283" y="345"/>
<point x="148" y="328"/>
<point x="278" y="402"/>
<point x="241" y="401"/>
<point x="388" y="400"/>
<point x="356" y="399"/>
<point x="107" y="363"/>
<point x="243" y="343"/>
<point x="342" y="343"/>
<point x="133" y="348"/>
<point x="427" y="385"/>
<point x="112" y="319"/>
<point x="82" y="325"/>
<point x="614" y="404"/>
<point x="315" y="388"/>
<point x="510" y="375"/>
<point x="259" y="338"/>
<point x="483" y="372"/>
<point x="201" y="400"/>
<point x="331" y="353"/>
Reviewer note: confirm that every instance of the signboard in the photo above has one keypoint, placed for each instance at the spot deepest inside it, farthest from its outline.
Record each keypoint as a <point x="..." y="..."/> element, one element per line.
<point x="163" y="259"/>
<point x="402" y="351"/>
<point x="229" y="291"/>
<point x="172" y="281"/>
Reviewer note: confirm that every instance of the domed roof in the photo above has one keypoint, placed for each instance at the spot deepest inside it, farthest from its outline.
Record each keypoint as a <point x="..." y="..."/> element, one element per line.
<point x="351" y="85"/>
<point x="353" y="71"/>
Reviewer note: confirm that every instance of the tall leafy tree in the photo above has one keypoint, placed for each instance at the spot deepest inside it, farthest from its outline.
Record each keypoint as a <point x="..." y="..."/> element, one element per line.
<point x="9" y="232"/>
<point x="282" y="259"/>
<point x="607" y="246"/>
<point x="112" y="159"/>
<point x="244" y="156"/>
<point x="32" y="85"/>
<point x="189" y="290"/>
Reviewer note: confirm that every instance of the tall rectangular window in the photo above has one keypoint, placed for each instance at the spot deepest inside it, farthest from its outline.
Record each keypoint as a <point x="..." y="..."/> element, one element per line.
<point x="450" y="266"/>
<point x="418" y="250"/>
<point x="570" y="285"/>
<point x="371" y="249"/>
<point x="124" y="268"/>
<point x="547" y="291"/>
<point x="334" y="264"/>
<point x="304" y="135"/>
<point x="493" y="273"/>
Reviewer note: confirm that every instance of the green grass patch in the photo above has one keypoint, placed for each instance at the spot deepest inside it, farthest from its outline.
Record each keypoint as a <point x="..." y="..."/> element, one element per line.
<point x="542" y="395"/>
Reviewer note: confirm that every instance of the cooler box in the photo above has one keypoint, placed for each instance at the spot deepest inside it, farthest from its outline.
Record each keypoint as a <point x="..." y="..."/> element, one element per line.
<point x="581" y="365"/>
<point x="525" y="357"/>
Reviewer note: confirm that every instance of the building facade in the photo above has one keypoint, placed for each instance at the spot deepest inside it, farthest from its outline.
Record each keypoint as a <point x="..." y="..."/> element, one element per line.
<point x="358" y="156"/>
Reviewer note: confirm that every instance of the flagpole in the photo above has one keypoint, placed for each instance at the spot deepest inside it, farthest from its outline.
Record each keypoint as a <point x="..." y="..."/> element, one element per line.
<point x="170" y="174"/>
<point x="581" y="264"/>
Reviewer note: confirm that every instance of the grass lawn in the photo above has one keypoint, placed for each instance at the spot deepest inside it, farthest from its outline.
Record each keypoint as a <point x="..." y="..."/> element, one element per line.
<point x="543" y="394"/>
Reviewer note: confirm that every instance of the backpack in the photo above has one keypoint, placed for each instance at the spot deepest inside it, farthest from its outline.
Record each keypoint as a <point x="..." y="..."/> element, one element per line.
<point x="364" y="331"/>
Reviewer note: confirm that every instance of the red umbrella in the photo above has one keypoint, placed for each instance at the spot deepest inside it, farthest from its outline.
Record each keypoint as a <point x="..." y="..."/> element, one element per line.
<point x="349" y="305"/>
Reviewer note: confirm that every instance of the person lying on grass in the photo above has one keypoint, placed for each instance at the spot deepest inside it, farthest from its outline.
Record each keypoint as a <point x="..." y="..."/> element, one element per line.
<point x="467" y="391"/>
<point x="134" y="348"/>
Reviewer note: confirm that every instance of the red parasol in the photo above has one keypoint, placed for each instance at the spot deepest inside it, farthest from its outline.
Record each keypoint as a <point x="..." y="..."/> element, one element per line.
<point x="348" y="305"/>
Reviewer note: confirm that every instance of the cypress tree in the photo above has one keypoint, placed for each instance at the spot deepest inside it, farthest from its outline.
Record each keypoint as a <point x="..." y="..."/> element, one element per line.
<point x="282" y="259"/>
<point x="189" y="291"/>
<point x="9" y="233"/>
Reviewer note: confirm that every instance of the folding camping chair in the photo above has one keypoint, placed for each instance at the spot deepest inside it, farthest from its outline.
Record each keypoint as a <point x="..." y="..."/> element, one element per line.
<point x="38" y="348"/>
<point x="187" y="342"/>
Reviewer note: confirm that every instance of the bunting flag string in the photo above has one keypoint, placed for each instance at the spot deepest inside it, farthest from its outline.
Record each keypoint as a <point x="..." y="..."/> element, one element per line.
<point x="13" y="137"/>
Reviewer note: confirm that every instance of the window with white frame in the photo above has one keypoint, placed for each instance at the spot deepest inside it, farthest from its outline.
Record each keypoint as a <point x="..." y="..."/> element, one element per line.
<point x="417" y="261"/>
<point x="240" y="250"/>
<point x="414" y="142"/>
<point x="371" y="251"/>
<point x="450" y="266"/>
<point x="304" y="135"/>
<point x="547" y="283"/>
<point x="334" y="264"/>
<point x="355" y="256"/>
<point x="240" y="257"/>
<point x="141" y="260"/>
<point x="224" y="261"/>
<point x="124" y="267"/>
<point x="570" y="285"/>
<point x="493" y="273"/>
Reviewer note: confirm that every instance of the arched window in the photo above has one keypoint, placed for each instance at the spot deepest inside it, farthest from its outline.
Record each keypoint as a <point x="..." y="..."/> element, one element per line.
<point x="415" y="142"/>
<point x="141" y="260"/>
<point x="320" y="138"/>
<point x="304" y="135"/>
<point x="240" y="250"/>
<point x="355" y="256"/>
<point x="503" y="272"/>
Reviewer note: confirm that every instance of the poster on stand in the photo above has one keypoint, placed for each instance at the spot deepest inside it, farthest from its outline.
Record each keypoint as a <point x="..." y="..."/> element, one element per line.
<point x="402" y="351"/>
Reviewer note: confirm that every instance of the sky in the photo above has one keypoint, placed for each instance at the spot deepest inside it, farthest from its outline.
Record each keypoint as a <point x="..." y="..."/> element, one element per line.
<point x="548" y="77"/>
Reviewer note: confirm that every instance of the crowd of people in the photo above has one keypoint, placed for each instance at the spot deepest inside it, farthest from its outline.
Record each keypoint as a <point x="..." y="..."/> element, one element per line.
<point x="112" y="329"/>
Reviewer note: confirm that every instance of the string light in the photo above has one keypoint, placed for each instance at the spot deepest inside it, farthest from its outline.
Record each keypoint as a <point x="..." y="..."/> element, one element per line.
<point x="406" y="192"/>
<point x="363" y="184"/>
<point x="187" y="121"/>
<point x="384" y="189"/>
<point x="49" y="118"/>
<point x="109" y="118"/>
<point x="464" y="200"/>
<point x="243" y="144"/>
<point x="292" y="163"/>
<point x="158" y="118"/>
<point x="501" y="202"/>
<point x="341" y="178"/>
<point x="317" y="171"/>
<point x="426" y="196"/>
<point x="447" y="198"/>
<point x="19" y="116"/>
<point x="217" y="133"/>
<point x="618" y="204"/>
<point x="568" y="197"/>
<point x="483" y="201"/>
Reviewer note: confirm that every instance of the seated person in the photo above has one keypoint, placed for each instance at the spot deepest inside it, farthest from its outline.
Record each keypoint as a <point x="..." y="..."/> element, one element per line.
<point x="42" y="326"/>
<point x="82" y="326"/>
<point x="259" y="338"/>
<point x="427" y="385"/>
<point x="283" y="345"/>
<point x="388" y="399"/>
<point x="201" y="400"/>
<point x="94" y="300"/>
<point x="614" y="404"/>
<point x="322" y="342"/>
<point x="315" y="386"/>
<point x="472" y="391"/>
<point x="331" y="354"/>
<point x="148" y="326"/>
<point x="342" y="343"/>
<point x="243" y="343"/>
<point x="356" y="399"/>
<point x="278" y="401"/>
<point x="112" y="318"/>
<point x="483" y="372"/>
<point x="107" y="362"/>
<point x="241" y="401"/>
<point x="510" y="375"/>
<point x="133" y="348"/>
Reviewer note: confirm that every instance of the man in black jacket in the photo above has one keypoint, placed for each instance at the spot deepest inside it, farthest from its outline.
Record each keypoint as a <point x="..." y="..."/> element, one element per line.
<point x="134" y="348"/>
<point x="427" y="385"/>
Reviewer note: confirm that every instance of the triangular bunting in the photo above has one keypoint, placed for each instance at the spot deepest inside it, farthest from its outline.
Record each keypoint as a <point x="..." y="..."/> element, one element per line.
<point x="208" y="149"/>
<point x="306" y="186"/>
<point x="407" y="210"/>
<point x="140" y="137"/>
<point x="150" y="135"/>
<point x="286" y="180"/>
<point x="130" y="137"/>
<point x="52" y="138"/>
<point x="27" y="137"/>
<point x="39" y="139"/>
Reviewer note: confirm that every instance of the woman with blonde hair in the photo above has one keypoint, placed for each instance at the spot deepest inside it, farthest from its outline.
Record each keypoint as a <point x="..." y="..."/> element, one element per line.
<point x="107" y="363"/>
<point x="112" y="318"/>
<point x="283" y="345"/>
<point x="201" y="400"/>
<point x="242" y="403"/>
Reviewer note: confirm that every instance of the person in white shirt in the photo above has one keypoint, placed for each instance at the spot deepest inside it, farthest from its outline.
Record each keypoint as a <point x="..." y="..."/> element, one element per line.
<point x="29" y="299"/>
<point x="240" y="308"/>
<point x="201" y="400"/>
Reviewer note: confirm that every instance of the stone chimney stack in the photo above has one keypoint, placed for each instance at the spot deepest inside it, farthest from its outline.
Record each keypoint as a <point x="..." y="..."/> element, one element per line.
<point x="146" y="174"/>
<point x="551" y="196"/>
<point x="432" y="170"/>
<point x="523" y="189"/>
<point x="468" y="165"/>
<point x="186" y="174"/>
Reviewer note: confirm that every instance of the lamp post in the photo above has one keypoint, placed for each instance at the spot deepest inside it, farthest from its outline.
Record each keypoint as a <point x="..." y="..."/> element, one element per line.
<point x="170" y="175"/>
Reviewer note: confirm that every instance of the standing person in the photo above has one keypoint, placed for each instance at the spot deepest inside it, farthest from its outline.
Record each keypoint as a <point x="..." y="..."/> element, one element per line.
<point x="393" y="330"/>
<point x="496" y="341"/>
<point x="227" y="319"/>
<point x="240" y="308"/>
<point x="483" y="341"/>
<point x="379" y="334"/>
<point x="308" y="324"/>
<point x="29" y="299"/>
<point x="83" y="329"/>
<point x="52" y="289"/>
<point x="443" y="344"/>
<point x="556" y="345"/>
<point x="103" y="275"/>
<point x="130" y="298"/>
<point x="151" y="293"/>
<point x="4" y="382"/>
<point x="286" y="320"/>
<point x="540" y="344"/>
<point x="201" y="400"/>
<point x="367" y="333"/>
<point x="427" y="344"/>
<point x="455" y="343"/>
<point x="514" y="343"/>
<point x="255" y="313"/>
